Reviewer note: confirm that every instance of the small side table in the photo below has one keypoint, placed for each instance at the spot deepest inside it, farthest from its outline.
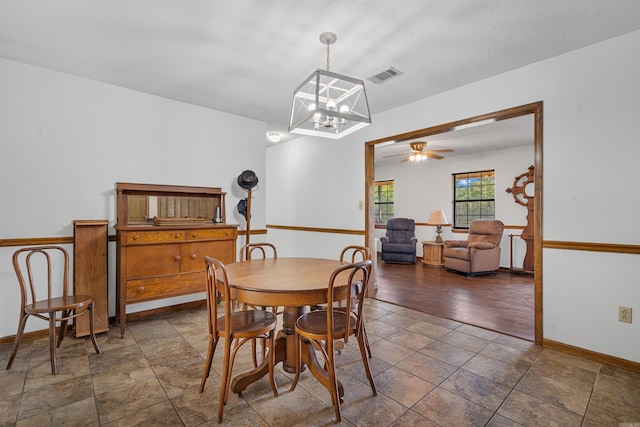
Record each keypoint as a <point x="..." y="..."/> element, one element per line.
<point x="433" y="254"/>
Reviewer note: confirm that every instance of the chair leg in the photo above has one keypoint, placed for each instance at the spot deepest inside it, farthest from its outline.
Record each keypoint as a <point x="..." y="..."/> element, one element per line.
<point x="92" y="330"/>
<point x="226" y="374"/>
<point x="366" y="341"/>
<point x="52" y="343"/>
<point x="333" y="381"/>
<point x="63" y="325"/>
<point x="16" y="342"/>
<point x="298" y="362"/>
<point x="365" y="362"/>
<point x="207" y="363"/>
<point x="254" y="348"/>
<point x="272" y="362"/>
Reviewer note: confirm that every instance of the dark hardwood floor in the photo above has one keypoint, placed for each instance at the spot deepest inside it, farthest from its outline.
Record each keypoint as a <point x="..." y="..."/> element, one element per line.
<point x="502" y="302"/>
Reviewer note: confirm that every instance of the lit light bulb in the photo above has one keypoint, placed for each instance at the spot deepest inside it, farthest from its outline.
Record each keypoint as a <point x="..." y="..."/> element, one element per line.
<point x="412" y="158"/>
<point x="344" y="108"/>
<point x="312" y="107"/>
<point x="331" y="105"/>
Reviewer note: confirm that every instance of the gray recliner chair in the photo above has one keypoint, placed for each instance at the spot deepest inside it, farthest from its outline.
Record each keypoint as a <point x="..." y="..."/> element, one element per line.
<point x="480" y="253"/>
<point x="399" y="245"/>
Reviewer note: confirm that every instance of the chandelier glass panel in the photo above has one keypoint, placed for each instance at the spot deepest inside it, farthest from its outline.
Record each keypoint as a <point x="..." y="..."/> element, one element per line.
<point x="328" y="104"/>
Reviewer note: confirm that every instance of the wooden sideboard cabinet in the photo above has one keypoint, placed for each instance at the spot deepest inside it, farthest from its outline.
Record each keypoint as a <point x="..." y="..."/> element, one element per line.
<point x="163" y="234"/>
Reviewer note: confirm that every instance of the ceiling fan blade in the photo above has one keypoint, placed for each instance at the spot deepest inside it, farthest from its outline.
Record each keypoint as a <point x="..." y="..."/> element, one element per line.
<point x="406" y="159"/>
<point x="433" y="156"/>
<point x="394" y="155"/>
<point x="441" y="151"/>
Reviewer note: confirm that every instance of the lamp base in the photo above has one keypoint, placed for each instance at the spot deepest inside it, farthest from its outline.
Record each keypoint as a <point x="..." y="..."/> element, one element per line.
<point x="438" y="236"/>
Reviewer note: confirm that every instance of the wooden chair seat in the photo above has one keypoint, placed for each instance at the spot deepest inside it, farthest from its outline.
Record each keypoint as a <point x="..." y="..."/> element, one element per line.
<point x="248" y="324"/>
<point x="314" y="325"/>
<point x="70" y="302"/>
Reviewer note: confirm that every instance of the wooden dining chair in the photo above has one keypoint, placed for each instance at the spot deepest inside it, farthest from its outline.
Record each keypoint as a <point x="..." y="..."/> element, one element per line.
<point x="321" y="328"/>
<point x="264" y="248"/>
<point x="236" y="327"/>
<point x="246" y="253"/>
<point x="34" y="266"/>
<point x="354" y="253"/>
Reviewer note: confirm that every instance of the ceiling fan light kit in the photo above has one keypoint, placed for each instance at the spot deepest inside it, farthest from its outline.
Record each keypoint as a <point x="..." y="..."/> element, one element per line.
<point x="419" y="154"/>
<point x="328" y="104"/>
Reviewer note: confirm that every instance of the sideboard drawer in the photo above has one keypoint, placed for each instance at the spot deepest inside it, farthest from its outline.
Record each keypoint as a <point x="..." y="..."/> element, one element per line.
<point x="157" y="236"/>
<point x="150" y="288"/>
<point x="211" y="233"/>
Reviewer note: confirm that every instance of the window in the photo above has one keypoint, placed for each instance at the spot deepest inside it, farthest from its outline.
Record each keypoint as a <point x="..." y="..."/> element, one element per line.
<point x="383" y="201"/>
<point x="473" y="197"/>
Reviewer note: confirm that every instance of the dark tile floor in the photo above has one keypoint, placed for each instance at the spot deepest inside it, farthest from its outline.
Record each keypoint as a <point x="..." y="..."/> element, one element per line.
<point x="429" y="371"/>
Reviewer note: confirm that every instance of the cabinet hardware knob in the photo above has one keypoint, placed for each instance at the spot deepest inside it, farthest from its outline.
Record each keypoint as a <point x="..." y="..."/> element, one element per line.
<point x="178" y="258"/>
<point x="194" y="235"/>
<point x="177" y="235"/>
<point x="141" y="289"/>
<point x="194" y="256"/>
<point x="136" y="237"/>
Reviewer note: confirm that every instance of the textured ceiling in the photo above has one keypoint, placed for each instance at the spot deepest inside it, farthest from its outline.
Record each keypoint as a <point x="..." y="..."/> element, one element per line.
<point x="247" y="56"/>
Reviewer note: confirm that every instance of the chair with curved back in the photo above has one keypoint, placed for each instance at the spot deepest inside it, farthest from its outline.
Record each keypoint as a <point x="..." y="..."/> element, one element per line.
<point x="247" y="250"/>
<point x="246" y="253"/>
<point x="354" y="253"/>
<point x="236" y="327"/>
<point x="321" y="328"/>
<point x="33" y="266"/>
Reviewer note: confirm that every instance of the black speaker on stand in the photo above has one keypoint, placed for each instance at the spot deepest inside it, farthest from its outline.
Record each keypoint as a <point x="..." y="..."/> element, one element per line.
<point x="247" y="180"/>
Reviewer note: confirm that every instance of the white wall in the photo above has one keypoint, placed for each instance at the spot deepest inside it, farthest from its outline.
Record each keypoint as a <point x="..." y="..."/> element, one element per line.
<point x="426" y="186"/>
<point x="65" y="141"/>
<point x="591" y="112"/>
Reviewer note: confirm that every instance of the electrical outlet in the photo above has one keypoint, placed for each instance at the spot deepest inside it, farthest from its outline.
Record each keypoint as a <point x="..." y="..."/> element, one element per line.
<point x="624" y="314"/>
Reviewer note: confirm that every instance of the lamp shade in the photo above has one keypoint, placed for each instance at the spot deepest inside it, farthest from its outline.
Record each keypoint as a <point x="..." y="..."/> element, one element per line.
<point x="438" y="218"/>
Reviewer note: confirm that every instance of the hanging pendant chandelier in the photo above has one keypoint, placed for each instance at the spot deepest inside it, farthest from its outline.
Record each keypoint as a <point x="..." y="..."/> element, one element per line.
<point x="327" y="104"/>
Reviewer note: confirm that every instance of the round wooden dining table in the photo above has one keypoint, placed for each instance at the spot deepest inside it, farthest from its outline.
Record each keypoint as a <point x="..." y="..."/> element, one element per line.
<point x="292" y="283"/>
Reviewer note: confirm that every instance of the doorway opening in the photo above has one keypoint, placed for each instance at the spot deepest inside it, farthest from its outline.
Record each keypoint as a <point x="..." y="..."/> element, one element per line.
<point x="536" y="110"/>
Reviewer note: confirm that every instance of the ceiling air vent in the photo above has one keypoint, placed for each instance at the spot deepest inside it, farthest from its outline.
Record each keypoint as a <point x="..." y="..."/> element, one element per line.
<point x="385" y="75"/>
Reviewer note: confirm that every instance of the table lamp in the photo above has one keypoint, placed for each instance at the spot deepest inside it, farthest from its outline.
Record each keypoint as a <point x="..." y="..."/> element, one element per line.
<point x="438" y="218"/>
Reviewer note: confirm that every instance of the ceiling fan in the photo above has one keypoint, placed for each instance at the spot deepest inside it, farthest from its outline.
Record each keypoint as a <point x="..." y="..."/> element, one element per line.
<point x="418" y="153"/>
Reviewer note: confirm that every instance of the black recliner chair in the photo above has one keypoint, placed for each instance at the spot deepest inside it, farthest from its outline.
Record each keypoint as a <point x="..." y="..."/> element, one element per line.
<point x="399" y="245"/>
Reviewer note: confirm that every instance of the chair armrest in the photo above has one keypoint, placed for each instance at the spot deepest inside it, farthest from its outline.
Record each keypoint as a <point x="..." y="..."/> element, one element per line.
<point x="482" y="245"/>
<point x="414" y="240"/>
<point x="384" y="239"/>
<point x="456" y="243"/>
